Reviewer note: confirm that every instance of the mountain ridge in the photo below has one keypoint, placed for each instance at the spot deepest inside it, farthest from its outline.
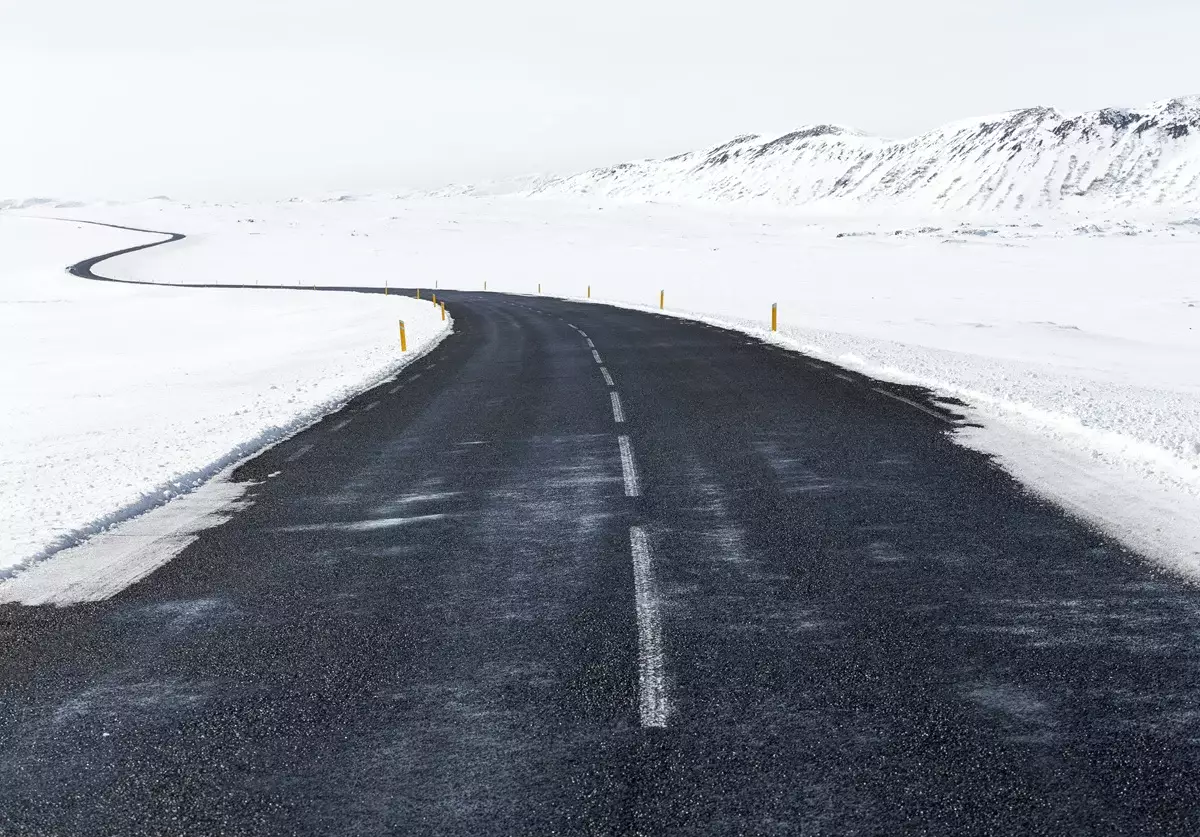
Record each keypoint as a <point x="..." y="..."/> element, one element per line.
<point x="1030" y="158"/>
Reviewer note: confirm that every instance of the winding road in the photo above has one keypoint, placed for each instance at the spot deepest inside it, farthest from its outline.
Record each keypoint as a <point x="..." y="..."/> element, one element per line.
<point x="585" y="570"/>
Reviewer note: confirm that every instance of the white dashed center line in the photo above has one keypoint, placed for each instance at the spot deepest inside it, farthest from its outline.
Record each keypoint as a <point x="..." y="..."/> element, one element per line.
<point x="618" y="413"/>
<point x="629" y="468"/>
<point x="395" y="389"/>
<point x="591" y="345"/>
<point x="652" y="684"/>
<point x="843" y="377"/>
<point x="339" y="426"/>
<point x="653" y="707"/>
<point x="370" y="406"/>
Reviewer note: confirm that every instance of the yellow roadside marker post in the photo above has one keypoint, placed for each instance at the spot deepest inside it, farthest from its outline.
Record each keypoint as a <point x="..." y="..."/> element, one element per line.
<point x="485" y="284"/>
<point x="418" y="293"/>
<point x="443" y="311"/>
<point x="589" y="292"/>
<point x="539" y="287"/>
<point x="662" y="296"/>
<point x="385" y="293"/>
<point x="434" y="299"/>
<point x="774" y="316"/>
<point x="403" y="340"/>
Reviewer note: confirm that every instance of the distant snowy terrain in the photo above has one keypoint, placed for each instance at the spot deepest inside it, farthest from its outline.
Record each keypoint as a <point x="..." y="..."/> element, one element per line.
<point x="1014" y="162"/>
<point x="117" y="397"/>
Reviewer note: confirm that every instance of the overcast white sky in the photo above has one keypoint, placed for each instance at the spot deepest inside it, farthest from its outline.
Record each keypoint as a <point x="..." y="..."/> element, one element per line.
<point x="252" y="98"/>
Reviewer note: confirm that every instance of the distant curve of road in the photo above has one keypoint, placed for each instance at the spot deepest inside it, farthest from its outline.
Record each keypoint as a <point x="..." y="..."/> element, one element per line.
<point x="86" y="268"/>
<point x="586" y="570"/>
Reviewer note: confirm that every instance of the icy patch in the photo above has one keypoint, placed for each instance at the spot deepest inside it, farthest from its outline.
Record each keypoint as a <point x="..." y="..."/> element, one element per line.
<point x="363" y="525"/>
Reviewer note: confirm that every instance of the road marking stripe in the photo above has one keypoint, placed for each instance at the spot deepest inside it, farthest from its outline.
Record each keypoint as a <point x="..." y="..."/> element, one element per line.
<point x="629" y="468"/>
<point x="607" y="377"/>
<point x="339" y="426"/>
<point x="843" y="377"/>
<point x="596" y="355"/>
<point x="414" y="377"/>
<point x="591" y="345"/>
<point x="299" y="453"/>
<point x="370" y="406"/>
<point x="652" y="683"/>
<point x="912" y="403"/>
<point x="618" y="413"/>
<point x="582" y="333"/>
<point x="395" y="389"/>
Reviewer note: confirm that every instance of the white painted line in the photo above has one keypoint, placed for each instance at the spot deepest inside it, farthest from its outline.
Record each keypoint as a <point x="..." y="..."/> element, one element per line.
<point x="304" y="450"/>
<point x="339" y="426"/>
<point x="912" y="403"/>
<point x="596" y="355"/>
<point x="628" y="468"/>
<point x="395" y="389"/>
<point x="652" y="683"/>
<point x="572" y="325"/>
<point x="843" y="377"/>
<point x="591" y="345"/>
<point x="607" y="377"/>
<point x="370" y="406"/>
<point x="582" y="333"/>
<point x="414" y="377"/>
<point x="814" y="365"/>
<point x="618" y="413"/>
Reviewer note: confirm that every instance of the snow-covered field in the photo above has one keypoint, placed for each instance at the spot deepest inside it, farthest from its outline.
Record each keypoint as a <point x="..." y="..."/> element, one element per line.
<point x="1076" y="344"/>
<point x="119" y="396"/>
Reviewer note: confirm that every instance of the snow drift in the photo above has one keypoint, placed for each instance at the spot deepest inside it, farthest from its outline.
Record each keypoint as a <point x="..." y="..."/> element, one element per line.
<point x="1023" y="160"/>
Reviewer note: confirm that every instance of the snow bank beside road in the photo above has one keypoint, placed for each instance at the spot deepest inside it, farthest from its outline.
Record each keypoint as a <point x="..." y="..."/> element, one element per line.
<point x="120" y="396"/>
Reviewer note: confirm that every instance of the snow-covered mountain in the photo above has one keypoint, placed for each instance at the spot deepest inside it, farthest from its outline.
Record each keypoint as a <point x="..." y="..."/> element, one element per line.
<point x="1036" y="158"/>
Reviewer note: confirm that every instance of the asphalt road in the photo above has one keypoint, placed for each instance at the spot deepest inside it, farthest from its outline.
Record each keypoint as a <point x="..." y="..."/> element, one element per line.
<point x="786" y="603"/>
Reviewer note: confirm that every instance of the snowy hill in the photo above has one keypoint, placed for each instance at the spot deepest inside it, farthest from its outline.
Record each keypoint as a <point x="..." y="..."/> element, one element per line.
<point x="1028" y="159"/>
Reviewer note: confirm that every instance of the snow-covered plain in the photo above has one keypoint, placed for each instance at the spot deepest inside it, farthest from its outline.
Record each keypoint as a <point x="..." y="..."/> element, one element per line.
<point x="117" y="397"/>
<point x="1077" y="345"/>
